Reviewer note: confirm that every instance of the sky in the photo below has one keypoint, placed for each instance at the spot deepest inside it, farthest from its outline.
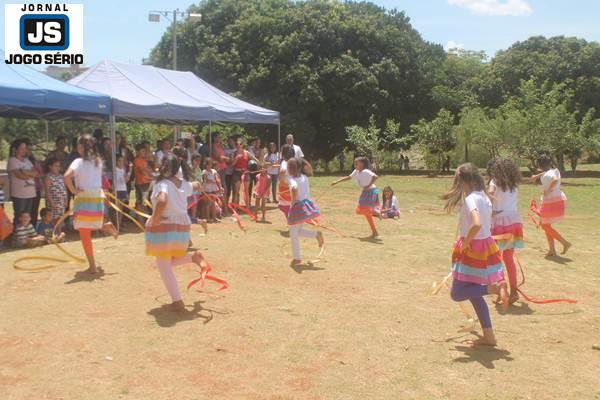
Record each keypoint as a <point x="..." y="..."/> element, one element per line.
<point x="120" y="30"/>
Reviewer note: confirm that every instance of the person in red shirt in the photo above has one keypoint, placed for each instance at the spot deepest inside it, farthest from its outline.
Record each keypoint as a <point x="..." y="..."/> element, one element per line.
<point x="241" y="157"/>
<point x="143" y="176"/>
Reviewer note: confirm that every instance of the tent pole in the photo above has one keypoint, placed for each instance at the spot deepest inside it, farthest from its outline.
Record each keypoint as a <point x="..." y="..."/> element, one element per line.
<point x="113" y="139"/>
<point x="210" y="139"/>
<point x="279" y="138"/>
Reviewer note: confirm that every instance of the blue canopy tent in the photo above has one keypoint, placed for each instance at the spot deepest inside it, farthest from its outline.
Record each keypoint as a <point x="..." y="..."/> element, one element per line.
<point x="27" y="93"/>
<point x="145" y="93"/>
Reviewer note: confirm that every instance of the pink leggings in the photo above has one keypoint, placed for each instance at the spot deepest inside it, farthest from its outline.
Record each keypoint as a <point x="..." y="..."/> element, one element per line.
<point x="165" y="266"/>
<point x="511" y="268"/>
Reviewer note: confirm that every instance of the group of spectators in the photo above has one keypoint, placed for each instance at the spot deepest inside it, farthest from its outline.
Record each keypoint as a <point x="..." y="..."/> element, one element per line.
<point x="227" y="170"/>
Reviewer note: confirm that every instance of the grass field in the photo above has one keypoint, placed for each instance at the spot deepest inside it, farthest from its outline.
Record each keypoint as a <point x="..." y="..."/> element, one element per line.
<point x="360" y="324"/>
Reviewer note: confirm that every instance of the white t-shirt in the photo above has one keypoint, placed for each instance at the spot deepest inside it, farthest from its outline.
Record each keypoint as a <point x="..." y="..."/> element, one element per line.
<point x="210" y="174"/>
<point x="476" y="201"/>
<point x="159" y="156"/>
<point x="20" y="188"/>
<point x="506" y="202"/>
<point x="300" y="183"/>
<point x="121" y="184"/>
<point x="547" y="178"/>
<point x="363" y="178"/>
<point x="272" y="159"/>
<point x="394" y="205"/>
<point x="298" y="151"/>
<point x="176" y="208"/>
<point x="87" y="174"/>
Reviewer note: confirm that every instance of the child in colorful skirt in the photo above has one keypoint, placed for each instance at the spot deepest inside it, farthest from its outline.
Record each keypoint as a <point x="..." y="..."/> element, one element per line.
<point x="303" y="209"/>
<point x="168" y="230"/>
<point x="284" y="196"/>
<point x="476" y="259"/>
<point x="389" y="204"/>
<point x="552" y="209"/>
<point x="84" y="179"/>
<point x="503" y="189"/>
<point x="261" y="192"/>
<point x="368" y="201"/>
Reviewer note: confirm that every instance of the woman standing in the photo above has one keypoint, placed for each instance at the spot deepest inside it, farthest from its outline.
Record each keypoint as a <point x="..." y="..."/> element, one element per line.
<point x="84" y="179"/>
<point x="241" y="158"/>
<point x="271" y="162"/>
<point x="22" y="176"/>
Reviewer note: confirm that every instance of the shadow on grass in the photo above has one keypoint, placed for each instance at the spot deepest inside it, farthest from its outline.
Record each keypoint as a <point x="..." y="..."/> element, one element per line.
<point x="484" y="355"/>
<point x="84" y="276"/>
<point x="369" y="239"/>
<point x="559" y="259"/>
<point x="166" y="318"/>
<point x="285" y="234"/>
<point x="521" y="308"/>
<point x="308" y="266"/>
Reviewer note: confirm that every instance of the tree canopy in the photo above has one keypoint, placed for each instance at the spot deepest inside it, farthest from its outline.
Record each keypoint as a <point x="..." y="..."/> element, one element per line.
<point x="323" y="64"/>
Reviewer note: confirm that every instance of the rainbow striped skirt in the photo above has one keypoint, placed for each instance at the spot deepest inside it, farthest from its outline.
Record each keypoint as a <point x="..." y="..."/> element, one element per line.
<point x="369" y="199"/>
<point x="481" y="263"/>
<point x="302" y="211"/>
<point x="167" y="240"/>
<point x="552" y="209"/>
<point x="88" y="210"/>
<point x="508" y="224"/>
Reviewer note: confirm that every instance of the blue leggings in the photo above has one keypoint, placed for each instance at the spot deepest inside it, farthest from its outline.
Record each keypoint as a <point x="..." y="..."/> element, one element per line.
<point x="473" y="292"/>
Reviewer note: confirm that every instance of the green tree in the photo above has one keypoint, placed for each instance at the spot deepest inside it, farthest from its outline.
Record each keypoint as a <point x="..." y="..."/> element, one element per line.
<point x="436" y="137"/>
<point x="372" y="141"/>
<point x="560" y="59"/>
<point x="323" y="64"/>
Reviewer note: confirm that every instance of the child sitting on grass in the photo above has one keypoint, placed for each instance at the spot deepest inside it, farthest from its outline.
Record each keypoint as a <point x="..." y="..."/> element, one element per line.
<point x="389" y="204"/>
<point x="25" y="234"/>
<point x="45" y="226"/>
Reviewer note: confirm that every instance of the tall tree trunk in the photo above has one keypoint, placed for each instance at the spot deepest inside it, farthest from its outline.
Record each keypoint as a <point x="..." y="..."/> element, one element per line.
<point x="466" y="152"/>
<point x="560" y="160"/>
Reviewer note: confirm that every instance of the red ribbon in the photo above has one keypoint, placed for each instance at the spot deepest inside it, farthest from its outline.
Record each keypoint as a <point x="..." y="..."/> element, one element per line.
<point x="204" y="276"/>
<point x="531" y="299"/>
<point x="208" y="196"/>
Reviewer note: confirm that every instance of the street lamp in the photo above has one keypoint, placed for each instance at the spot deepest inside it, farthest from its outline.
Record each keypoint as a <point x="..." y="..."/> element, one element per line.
<point x="154" y="16"/>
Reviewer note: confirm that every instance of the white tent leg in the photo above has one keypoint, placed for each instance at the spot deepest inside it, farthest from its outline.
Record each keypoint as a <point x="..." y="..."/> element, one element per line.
<point x="113" y="138"/>
<point x="279" y="138"/>
<point x="210" y="139"/>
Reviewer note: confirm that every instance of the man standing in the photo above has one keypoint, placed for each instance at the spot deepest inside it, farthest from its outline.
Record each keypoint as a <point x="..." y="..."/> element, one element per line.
<point x="289" y="139"/>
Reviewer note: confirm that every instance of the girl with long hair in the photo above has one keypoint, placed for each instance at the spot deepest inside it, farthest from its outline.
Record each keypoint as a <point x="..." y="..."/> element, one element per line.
<point x="476" y="259"/>
<point x="84" y="180"/>
<point x="302" y="209"/>
<point x="552" y="209"/>
<point x="504" y="192"/>
<point x="369" y="196"/>
<point x="168" y="229"/>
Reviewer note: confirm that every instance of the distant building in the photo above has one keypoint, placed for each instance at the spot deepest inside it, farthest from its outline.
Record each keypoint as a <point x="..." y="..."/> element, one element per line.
<point x="65" y="73"/>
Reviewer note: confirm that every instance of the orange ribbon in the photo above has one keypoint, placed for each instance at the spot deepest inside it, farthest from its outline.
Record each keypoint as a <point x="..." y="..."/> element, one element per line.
<point x="204" y="276"/>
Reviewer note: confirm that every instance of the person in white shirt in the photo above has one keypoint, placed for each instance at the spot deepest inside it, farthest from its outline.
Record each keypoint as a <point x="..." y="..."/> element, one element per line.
<point x="168" y="229"/>
<point x="289" y="139"/>
<point x="476" y="260"/>
<point x="552" y="209"/>
<point x="389" y="204"/>
<point x="504" y="191"/>
<point x="84" y="180"/>
<point x="368" y="201"/>
<point x="165" y="146"/>
<point x="303" y="209"/>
